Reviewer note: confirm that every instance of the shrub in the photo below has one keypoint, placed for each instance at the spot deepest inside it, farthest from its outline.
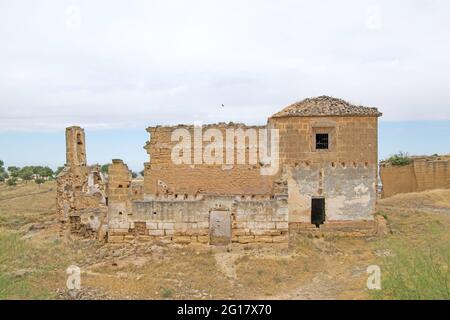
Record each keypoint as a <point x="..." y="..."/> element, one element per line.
<point x="399" y="159"/>
<point x="39" y="181"/>
<point x="11" y="182"/>
<point x="166" y="293"/>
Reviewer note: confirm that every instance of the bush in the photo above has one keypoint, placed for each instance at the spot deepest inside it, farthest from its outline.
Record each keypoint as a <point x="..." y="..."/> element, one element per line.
<point x="166" y="293"/>
<point x="399" y="159"/>
<point x="39" y="181"/>
<point x="11" y="182"/>
<point x="104" y="168"/>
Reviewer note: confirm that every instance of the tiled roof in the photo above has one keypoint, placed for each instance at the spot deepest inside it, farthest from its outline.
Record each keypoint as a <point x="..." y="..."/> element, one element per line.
<point x="325" y="106"/>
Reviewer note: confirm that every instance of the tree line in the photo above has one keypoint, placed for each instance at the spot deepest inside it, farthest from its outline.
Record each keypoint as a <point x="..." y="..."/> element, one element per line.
<point x="39" y="174"/>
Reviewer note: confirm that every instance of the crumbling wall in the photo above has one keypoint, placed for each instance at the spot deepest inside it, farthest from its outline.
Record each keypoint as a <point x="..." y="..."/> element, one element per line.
<point x="345" y="174"/>
<point x="162" y="176"/>
<point x="423" y="173"/>
<point x="349" y="192"/>
<point x="80" y="199"/>
<point x="80" y="190"/>
<point x="188" y="220"/>
<point x="119" y="196"/>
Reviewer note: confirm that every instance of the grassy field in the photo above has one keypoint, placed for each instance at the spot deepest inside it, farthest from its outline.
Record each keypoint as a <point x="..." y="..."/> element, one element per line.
<point x="414" y="259"/>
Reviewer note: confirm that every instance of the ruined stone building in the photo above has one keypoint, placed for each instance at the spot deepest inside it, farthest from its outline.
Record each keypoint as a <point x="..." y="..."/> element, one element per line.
<point x="325" y="178"/>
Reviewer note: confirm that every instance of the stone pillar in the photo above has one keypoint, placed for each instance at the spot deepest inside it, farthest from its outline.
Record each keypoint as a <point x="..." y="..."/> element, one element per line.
<point x="119" y="187"/>
<point x="75" y="147"/>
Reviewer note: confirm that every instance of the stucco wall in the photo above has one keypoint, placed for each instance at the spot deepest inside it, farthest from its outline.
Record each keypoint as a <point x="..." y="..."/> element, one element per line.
<point x="349" y="192"/>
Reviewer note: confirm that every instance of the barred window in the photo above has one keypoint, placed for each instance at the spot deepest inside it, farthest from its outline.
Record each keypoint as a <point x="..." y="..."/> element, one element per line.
<point x="321" y="141"/>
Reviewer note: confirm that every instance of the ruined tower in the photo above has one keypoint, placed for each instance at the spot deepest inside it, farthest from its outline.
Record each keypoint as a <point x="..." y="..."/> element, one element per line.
<point x="75" y="146"/>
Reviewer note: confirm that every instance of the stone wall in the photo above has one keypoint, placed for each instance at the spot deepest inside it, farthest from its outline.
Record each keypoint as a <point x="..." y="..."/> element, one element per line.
<point x="80" y="200"/>
<point x="220" y="203"/>
<point x="162" y="176"/>
<point x="345" y="175"/>
<point x="188" y="220"/>
<point x="423" y="173"/>
<point x="80" y="190"/>
<point x="75" y="146"/>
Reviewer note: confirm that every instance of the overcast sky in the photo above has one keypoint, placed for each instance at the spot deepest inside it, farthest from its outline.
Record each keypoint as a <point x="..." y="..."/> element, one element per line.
<point x="129" y="64"/>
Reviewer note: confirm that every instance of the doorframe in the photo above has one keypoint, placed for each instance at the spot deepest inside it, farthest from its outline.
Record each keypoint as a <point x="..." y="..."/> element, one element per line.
<point x="324" y="209"/>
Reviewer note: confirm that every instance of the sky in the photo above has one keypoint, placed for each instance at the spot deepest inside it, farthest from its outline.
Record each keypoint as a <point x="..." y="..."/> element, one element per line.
<point x="117" y="67"/>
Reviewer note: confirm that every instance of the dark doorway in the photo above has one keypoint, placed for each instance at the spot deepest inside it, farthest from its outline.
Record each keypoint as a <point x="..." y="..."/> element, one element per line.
<point x="317" y="211"/>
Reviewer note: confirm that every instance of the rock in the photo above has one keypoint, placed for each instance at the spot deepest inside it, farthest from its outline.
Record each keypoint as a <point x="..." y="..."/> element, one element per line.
<point x="19" y="273"/>
<point x="36" y="226"/>
<point x="382" y="228"/>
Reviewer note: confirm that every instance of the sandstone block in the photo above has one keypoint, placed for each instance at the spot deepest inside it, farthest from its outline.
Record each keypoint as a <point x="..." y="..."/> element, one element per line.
<point x="151" y="225"/>
<point x="157" y="232"/>
<point x="182" y="239"/>
<point x="246" y="239"/>
<point x="115" y="239"/>
<point x="203" y="239"/>
<point x="281" y="225"/>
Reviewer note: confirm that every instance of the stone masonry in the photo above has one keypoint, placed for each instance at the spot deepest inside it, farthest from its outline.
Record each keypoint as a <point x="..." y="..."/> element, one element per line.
<point x="423" y="173"/>
<point x="326" y="180"/>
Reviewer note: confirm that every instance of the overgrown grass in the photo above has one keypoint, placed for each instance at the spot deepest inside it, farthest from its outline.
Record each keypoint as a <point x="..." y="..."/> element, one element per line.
<point x="417" y="269"/>
<point x="28" y="271"/>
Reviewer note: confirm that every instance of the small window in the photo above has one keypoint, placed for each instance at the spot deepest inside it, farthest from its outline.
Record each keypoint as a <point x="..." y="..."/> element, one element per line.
<point x="322" y="141"/>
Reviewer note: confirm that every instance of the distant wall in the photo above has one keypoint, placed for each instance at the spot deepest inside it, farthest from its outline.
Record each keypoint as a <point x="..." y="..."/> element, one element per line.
<point x="419" y="175"/>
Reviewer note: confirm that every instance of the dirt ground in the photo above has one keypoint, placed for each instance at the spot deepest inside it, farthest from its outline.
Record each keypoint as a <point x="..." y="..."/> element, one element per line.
<point x="33" y="259"/>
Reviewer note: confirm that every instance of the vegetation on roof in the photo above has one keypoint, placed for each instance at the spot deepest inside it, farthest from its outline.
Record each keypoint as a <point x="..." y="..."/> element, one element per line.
<point x="399" y="159"/>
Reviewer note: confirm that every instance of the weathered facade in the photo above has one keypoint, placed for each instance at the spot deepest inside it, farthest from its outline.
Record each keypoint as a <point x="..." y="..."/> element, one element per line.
<point x="81" y="189"/>
<point x="325" y="176"/>
<point x="422" y="173"/>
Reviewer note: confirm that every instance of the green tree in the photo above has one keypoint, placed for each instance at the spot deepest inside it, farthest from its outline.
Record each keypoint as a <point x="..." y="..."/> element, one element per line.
<point x="134" y="174"/>
<point x="46" y="172"/>
<point x="13" y="171"/>
<point x="58" y="170"/>
<point x="39" y="181"/>
<point x="104" y="168"/>
<point x="3" y="176"/>
<point x="11" y="182"/>
<point x="26" y="173"/>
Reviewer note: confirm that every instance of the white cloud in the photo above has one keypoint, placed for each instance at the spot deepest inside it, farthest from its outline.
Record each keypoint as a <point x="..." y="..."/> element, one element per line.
<point x="110" y="64"/>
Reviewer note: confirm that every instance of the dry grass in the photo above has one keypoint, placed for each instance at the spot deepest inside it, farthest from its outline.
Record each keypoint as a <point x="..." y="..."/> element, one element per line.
<point x="438" y="199"/>
<point x="33" y="263"/>
<point x="418" y="266"/>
